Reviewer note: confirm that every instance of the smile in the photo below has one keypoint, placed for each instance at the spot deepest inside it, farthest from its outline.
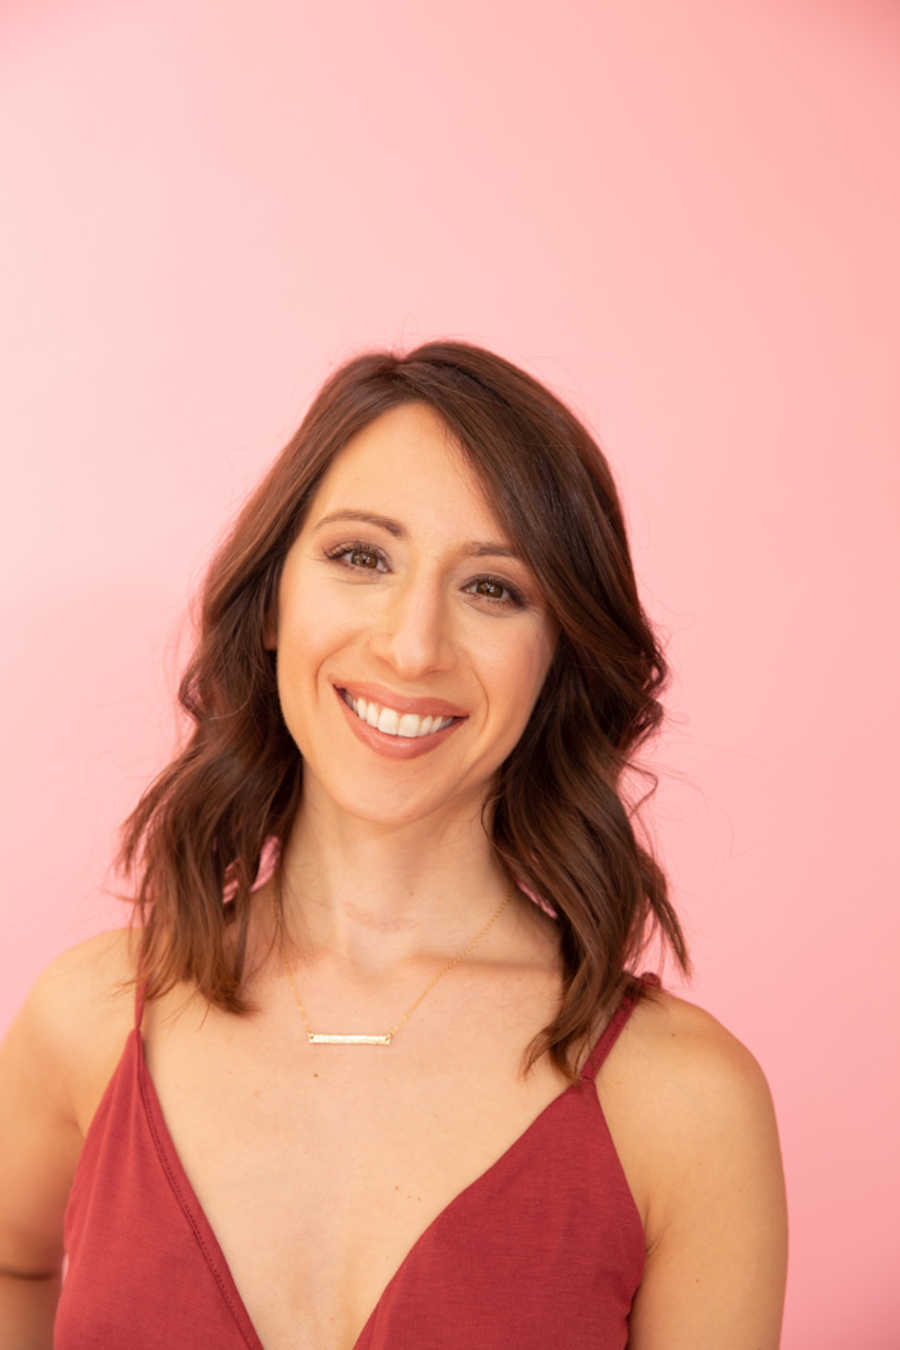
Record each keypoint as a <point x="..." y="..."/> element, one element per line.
<point x="392" y="723"/>
<point x="406" y="736"/>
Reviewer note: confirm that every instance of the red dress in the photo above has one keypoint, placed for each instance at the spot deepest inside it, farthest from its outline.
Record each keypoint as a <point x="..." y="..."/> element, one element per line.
<point x="546" y="1247"/>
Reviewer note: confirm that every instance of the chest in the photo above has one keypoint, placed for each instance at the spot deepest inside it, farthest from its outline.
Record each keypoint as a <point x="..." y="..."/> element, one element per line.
<point x="320" y="1168"/>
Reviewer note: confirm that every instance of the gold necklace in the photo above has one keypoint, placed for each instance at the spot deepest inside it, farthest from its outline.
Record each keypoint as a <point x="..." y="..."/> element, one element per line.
<point x="357" y="1038"/>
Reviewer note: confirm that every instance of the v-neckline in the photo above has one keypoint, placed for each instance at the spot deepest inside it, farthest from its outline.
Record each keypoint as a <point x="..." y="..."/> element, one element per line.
<point x="206" y="1238"/>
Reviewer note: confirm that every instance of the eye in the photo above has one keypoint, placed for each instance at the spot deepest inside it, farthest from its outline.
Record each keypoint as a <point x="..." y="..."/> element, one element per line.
<point x="514" y="599"/>
<point x="342" y="550"/>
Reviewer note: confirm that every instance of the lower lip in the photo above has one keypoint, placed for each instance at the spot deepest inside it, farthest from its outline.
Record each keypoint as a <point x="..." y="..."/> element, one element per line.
<point x="394" y="747"/>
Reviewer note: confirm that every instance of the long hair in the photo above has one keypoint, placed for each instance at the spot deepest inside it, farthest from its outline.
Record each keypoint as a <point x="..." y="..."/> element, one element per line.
<point x="561" y="824"/>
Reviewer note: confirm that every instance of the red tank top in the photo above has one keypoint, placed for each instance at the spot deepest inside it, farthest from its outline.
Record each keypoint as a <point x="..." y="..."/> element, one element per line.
<point x="545" y="1247"/>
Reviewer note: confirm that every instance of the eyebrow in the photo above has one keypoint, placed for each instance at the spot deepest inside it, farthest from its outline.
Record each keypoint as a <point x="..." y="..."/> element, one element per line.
<point x="473" y="548"/>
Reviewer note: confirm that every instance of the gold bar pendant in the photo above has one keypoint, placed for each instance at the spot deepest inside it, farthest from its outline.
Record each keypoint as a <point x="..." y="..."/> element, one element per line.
<point x="318" y="1038"/>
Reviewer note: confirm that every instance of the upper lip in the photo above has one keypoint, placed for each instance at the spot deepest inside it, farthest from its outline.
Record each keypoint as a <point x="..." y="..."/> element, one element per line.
<point x="387" y="698"/>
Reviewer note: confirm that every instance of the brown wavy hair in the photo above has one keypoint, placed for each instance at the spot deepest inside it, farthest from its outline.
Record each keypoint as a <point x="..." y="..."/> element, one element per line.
<point x="561" y="824"/>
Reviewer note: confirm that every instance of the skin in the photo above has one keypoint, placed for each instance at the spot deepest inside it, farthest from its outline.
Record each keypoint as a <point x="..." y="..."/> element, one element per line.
<point x="388" y="874"/>
<point x="388" y="858"/>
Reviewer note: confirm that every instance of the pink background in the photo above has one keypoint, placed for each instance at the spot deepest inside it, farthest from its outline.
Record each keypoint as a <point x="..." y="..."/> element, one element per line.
<point x="684" y="219"/>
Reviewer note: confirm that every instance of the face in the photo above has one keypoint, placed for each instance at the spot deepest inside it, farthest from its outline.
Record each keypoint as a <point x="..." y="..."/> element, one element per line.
<point x="406" y="612"/>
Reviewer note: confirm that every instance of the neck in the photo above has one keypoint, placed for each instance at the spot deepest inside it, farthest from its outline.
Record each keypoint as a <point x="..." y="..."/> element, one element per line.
<point x="372" y="899"/>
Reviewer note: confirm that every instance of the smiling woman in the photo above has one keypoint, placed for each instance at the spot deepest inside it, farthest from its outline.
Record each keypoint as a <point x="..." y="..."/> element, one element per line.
<point x="398" y="820"/>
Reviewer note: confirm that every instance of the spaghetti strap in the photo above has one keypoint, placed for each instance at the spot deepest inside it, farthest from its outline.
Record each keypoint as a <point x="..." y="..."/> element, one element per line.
<point x="134" y="1225"/>
<point x="614" y="1026"/>
<point x="138" y="1003"/>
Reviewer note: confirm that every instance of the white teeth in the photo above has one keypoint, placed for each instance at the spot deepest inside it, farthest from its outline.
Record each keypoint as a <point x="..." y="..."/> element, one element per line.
<point x="393" y="723"/>
<point x="388" y="721"/>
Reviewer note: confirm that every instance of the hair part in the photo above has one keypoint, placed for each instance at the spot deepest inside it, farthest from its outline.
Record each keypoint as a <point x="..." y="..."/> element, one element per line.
<point x="560" y="821"/>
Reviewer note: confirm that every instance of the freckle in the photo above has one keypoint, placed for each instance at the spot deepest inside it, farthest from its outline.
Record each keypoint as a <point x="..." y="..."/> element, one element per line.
<point x="315" y="1075"/>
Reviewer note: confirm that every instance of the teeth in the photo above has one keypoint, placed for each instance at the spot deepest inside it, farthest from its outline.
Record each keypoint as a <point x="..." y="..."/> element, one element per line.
<point x="393" y="723"/>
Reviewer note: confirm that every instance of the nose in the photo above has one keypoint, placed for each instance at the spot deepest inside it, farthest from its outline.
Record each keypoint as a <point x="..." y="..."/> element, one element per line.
<point x="413" y="634"/>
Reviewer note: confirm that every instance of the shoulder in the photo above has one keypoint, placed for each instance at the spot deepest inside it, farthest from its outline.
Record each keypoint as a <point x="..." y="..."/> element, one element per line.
<point x="716" y="1204"/>
<point x="77" y="1014"/>
<point x="52" y="1061"/>
<point x="696" y="1061"/>
<point x="698" y="1084"/>
<point x="87" y="980"/>
<point x="681" y="1036"/>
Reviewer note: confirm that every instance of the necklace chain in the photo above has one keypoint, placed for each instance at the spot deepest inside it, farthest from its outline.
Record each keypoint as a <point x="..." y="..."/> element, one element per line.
<point x="388" y="1036"/>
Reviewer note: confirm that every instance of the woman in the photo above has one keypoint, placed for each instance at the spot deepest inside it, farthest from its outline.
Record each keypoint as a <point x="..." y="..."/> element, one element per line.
<point x="372" y="1069"/>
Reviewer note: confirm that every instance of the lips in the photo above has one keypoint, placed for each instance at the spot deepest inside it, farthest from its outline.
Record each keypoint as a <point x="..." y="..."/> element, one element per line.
<point x="438" y="723"/>
<point x="401" y="703"/>
<point x="395" y="747"/>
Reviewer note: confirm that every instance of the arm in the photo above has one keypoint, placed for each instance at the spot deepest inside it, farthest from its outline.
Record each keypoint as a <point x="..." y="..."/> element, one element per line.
<point x="39" y="1147"/>
<point x="716" y="1270"/>
<point x="53" y="1063"/>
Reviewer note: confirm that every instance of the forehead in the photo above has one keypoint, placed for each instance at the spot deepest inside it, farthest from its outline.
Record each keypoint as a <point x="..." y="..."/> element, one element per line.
<point x="406" y="464"/>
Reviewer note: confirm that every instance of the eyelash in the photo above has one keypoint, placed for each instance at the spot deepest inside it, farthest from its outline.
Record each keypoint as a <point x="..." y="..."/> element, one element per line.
<point x="516" y="598"/>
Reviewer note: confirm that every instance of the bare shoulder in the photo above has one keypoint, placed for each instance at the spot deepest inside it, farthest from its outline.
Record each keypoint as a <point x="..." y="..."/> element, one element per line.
<point x="692" y="1083"/>
<point x="717" y="1210"/>
<point x="79" y="1011"/>
<point x="693" y="1061"/>
<point x="90" y="979"/>
<point x="55" y="1057"/>
<point x="683" y="1036"/>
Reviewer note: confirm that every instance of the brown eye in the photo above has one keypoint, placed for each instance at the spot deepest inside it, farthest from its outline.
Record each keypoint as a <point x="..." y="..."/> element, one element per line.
<point x="497" y="585"/>
<point x="364" y="553"/>
<point x="347" y="555"/>
<point x="354" y="551"/>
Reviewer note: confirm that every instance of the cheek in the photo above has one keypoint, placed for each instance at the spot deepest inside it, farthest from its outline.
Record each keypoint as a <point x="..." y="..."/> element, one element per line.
<point x="515" y="681"/>
<point x="309" y="615"/>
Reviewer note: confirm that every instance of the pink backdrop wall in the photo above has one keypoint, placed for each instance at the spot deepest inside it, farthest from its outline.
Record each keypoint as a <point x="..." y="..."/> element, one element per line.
<point x="681" y="217"/>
